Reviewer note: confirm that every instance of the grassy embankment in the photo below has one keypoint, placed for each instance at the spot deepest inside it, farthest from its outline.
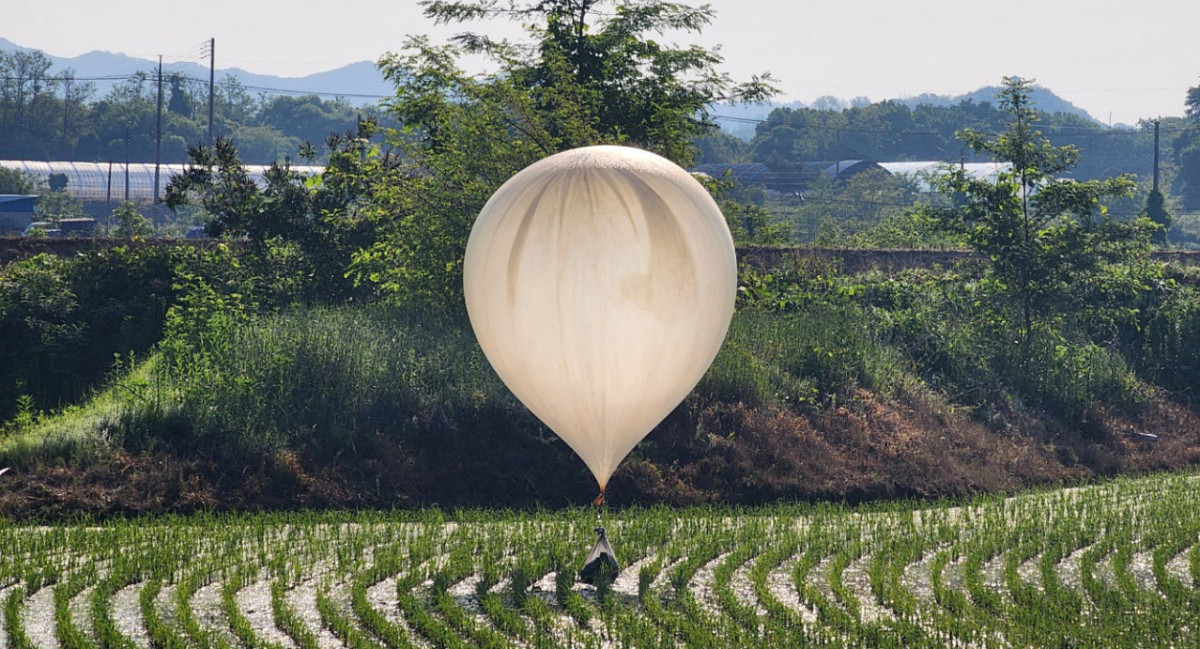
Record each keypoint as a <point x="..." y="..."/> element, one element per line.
<point x="830" y="386"/>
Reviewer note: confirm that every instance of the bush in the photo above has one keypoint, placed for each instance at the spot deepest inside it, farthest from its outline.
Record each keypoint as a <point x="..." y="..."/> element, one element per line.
<point x="67" y="322"/>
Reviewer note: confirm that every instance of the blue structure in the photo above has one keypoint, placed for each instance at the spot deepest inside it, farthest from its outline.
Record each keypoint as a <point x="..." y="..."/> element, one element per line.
<point x="16" y="212"/>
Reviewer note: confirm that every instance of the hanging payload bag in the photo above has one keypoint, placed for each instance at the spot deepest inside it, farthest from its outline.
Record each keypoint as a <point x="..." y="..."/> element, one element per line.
<point x="600" y="558"/>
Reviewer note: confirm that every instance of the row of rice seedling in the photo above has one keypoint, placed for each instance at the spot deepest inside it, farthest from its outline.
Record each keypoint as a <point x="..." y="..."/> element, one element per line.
<point x="1108" y="565"/>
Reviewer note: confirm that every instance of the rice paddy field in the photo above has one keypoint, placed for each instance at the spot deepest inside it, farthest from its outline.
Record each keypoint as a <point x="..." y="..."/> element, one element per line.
<point x="1109" y="565"/>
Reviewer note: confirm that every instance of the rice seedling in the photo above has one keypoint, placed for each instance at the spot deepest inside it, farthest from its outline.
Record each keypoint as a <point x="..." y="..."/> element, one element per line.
<point x="1111" y="564"/>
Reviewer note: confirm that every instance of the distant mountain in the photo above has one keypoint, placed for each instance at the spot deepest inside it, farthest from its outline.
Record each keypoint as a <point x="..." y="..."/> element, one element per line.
<point x="740" y="120"/>
<point x="1043" y="99"/>
<point x="358" y="82"/>
<point x="362" y="83"/>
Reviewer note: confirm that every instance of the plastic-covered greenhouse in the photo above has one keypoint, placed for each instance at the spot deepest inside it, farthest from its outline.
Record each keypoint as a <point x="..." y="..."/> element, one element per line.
<point x="923" y="172"/>
<point x="105" y="182"/>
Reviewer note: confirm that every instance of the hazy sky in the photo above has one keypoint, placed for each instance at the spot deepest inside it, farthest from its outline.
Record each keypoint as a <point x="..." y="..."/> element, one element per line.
<point x="1118" y="60"/>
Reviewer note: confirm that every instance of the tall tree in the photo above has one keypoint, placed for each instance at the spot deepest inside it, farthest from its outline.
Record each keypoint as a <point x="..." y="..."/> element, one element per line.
<point x="1192" y="101"/>
<point x="1041" y="235"/>
<point x="1187" y="147"/>
<point x="589" y="73"/>
<point x="74" y="109"/>
<point x="24" y="88"/>
<point x="604" y="68"/>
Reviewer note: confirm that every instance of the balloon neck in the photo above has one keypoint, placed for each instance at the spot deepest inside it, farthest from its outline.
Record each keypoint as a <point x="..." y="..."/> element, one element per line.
<point x="599" y="501"/>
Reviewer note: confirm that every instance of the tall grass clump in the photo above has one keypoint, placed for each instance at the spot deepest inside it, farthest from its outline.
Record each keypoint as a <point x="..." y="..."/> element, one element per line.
<point x="809" y="334"/>
<point x="807" y="359"/>
<point x="1067" y="378"/>
<point x="324" y="376"/>
<point x="804" y="336"/>
<point x="1170" y="350"/>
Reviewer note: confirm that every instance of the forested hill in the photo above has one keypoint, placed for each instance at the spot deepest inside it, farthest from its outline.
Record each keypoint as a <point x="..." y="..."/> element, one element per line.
<point x="741" y="120"/>
<point x="103" y="107"/>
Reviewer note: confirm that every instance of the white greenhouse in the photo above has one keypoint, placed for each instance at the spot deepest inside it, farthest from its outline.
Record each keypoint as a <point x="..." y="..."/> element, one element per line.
<point x="106" y="182"/>
<point x="922" y="171"/>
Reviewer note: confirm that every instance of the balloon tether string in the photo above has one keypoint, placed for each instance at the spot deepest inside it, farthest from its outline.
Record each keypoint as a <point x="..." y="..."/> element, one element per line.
<point x="600" y="505"/>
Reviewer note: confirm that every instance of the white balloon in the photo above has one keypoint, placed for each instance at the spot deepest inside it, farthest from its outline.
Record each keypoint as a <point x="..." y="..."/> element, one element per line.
<point x="600" y="283"/>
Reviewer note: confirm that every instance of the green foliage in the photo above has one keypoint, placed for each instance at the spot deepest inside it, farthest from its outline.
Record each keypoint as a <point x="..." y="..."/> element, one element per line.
<point x="806" y="338"/>
<point x="57" y="182"/>
<point x="66" y="318"/>
<point x="128" y="222"/>
<point x="749" y="222"/>
<point x="458" y="150"/>
<point x="1192" y="101"/>
<point x="51" y="115"/>
<point x="810" y="336"/>
<point x="1042" y="236"/>
<point x="808" y="360"/>
<point x="14" y="181"/>
<point x="836" y="213"/>
<point x="586" y="76"/>
<point x="891" y="131"/>
<point x="54" y="206"/>
<point x="1156" y="211"/>
<point x="1017" y="571"/>
<point x="1169" y="355"/>
<point x="1188" y="180"/>
<point x="754" y="225"/>
<point x="912" y="228"/>
<point x="802" y="339"/>
<point x="302" y="119"/>
<point x="603" y="69"/>
<point x="1068" y="378"/>
<point x="326" y="377"/>
<point x="311" y="225"/>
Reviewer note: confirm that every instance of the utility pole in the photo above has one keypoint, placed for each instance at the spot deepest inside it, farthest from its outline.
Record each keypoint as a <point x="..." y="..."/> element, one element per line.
<point x="127" y="162"/>
<point x="1156" y="155"/>
<point x="212" y="58"/>
<point x="66" y="105"/>
<point x="158" y="135"/>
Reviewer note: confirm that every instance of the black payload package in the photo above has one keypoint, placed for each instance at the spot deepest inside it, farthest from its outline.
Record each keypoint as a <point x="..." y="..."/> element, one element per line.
<point x="600" y="558"/>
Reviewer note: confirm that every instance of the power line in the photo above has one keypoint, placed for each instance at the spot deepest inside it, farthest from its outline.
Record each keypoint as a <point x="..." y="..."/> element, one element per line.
<point x="197" y="80"/>
<point x="1062" y="130"/>
<point x="320" y="93"/>
<point x="114" y="77"/>
<point x="1097" y="131"/>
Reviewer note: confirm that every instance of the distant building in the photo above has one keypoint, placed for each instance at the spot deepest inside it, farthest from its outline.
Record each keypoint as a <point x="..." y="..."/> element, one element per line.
<point x="924" y="172"/>
<point x="789" y="182"/>
<point x="800" y="179"/>
<point x="16" y="212"/>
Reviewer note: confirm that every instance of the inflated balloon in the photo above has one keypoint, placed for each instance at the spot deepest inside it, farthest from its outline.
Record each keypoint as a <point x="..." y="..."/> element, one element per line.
<point x="600" y="283"/>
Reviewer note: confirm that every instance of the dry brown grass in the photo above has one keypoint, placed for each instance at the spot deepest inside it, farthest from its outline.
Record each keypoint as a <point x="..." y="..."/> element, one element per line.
<point x="914" y="446"/>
